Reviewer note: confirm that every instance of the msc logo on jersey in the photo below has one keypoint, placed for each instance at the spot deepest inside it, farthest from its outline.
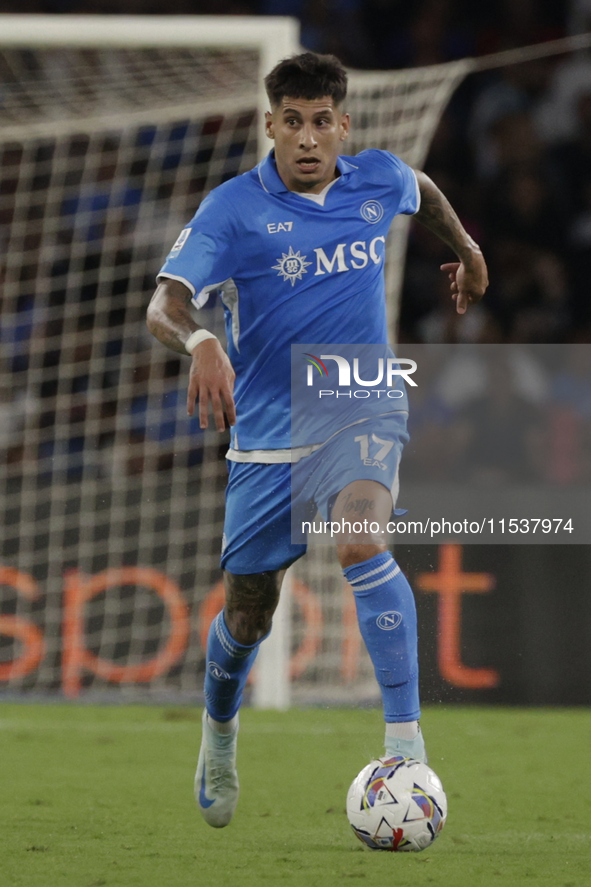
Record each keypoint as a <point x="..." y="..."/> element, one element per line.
<point x="389" y="620"/>
<point x="372" y="211"/>
<point x="346" y="257"/>
<point x="291" y="265"/>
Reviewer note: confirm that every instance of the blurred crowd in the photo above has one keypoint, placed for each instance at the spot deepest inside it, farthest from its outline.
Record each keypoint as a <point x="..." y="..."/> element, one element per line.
<point x="513" y="151"/>
<point x="513" y="155"/>
<point x="493" y="415"/>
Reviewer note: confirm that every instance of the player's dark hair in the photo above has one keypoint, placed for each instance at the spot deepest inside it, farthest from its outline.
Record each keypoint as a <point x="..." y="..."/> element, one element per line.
<point x="307" y="76"/>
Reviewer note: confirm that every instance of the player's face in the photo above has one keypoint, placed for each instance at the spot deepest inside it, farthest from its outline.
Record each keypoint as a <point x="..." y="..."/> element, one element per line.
<point x="308" y="137"/>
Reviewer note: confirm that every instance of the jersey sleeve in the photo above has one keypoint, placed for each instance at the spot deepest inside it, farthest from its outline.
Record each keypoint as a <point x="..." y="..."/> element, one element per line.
<point x="202" y="257"/>
<point x="405" y="187"/>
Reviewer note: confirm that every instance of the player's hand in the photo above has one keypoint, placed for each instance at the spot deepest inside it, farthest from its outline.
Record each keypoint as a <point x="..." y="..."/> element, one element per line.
<point x="468" y="281"/>
<point x="211" y="380"/>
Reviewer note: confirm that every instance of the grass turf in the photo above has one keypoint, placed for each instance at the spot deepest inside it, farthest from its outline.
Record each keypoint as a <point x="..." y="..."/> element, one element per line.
<point x="102" y="797"/>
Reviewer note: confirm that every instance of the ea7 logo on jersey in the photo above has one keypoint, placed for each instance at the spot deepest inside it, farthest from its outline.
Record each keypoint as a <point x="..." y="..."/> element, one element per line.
<point x="274" y="228"/>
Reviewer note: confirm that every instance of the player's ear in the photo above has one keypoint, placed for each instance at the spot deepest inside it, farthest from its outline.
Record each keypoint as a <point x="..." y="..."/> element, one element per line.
<point x="269" y="125"/>
<point x="345" y="125"/>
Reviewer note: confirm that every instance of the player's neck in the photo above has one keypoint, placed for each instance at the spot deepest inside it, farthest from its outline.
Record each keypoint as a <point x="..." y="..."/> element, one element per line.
<point x="317" y="188"/>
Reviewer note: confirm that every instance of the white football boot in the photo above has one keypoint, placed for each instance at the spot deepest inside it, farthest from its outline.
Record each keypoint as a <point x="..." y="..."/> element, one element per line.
<point x="216" y="779"/>
<point x="410" y="748"/>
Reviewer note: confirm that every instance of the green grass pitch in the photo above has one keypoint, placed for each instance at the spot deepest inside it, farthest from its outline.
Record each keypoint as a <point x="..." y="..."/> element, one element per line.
<point x="95" y="796"/>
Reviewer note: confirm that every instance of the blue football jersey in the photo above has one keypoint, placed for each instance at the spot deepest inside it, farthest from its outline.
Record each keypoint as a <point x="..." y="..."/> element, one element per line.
<point x="292" y="269"/>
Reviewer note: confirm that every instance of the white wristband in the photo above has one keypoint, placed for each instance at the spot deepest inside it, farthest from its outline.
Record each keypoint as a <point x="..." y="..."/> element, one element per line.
<point x="197" y="338"/>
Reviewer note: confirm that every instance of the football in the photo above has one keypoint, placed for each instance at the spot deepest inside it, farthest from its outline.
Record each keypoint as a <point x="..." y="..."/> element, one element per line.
<point x="397" y="804"/>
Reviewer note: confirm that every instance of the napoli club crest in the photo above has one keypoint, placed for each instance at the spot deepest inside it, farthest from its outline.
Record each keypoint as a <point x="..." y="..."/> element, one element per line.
<point x="372" y="211"/>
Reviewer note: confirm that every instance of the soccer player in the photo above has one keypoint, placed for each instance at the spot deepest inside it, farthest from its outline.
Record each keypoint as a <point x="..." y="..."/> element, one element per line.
<point x="296" y="249"/>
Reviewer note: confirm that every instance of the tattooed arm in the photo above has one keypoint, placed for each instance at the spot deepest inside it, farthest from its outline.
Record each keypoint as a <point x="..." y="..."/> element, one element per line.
<point x="468" y="277"/>
<point x="211" y="377"/>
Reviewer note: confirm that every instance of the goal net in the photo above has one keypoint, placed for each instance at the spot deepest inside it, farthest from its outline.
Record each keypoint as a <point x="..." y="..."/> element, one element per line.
<point x="111" y="133"/>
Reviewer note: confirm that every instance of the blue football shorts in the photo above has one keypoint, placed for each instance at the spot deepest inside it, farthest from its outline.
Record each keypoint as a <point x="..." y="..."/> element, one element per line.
<point x="264" y="502"/>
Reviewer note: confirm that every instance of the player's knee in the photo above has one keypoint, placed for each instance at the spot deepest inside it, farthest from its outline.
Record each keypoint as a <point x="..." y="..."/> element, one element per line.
<point x="250" y="603"/>
<point x="356" y="552"/>
<point x="248" y="628"/>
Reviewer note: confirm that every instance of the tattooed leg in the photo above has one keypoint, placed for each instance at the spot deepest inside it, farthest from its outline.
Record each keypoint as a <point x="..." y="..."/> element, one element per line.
<point x="366" y="504"/>
<point x="251" y="601"/>
<point x="234" y="638"/>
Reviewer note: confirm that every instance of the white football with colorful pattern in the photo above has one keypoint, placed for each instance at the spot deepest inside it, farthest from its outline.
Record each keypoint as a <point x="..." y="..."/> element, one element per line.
<point x="397" y="804"/>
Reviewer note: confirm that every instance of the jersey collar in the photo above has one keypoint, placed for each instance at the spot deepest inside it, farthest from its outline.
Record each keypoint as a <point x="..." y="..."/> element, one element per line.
<point x="274" y="184"/>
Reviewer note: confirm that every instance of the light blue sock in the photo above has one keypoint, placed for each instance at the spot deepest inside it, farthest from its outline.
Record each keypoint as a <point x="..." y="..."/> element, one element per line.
<point x="228" y="665"/>
<point x="388" y="623"/>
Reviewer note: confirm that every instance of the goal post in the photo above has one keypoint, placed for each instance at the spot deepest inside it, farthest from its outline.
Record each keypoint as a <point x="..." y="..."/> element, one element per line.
<point x="273" y="37"/>
<point x="112" y="130"/>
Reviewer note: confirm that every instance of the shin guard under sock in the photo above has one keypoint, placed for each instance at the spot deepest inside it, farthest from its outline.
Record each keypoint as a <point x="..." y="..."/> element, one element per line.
<point x="388" y="623"/>
<point x="228" y="665"/>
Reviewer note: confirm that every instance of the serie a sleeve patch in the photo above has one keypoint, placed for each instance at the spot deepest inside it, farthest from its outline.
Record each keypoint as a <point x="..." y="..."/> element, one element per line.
<point x="180" y="242"/>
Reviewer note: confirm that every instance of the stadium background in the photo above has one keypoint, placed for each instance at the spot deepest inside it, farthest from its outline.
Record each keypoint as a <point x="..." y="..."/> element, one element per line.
<point x="513" y="153"/>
